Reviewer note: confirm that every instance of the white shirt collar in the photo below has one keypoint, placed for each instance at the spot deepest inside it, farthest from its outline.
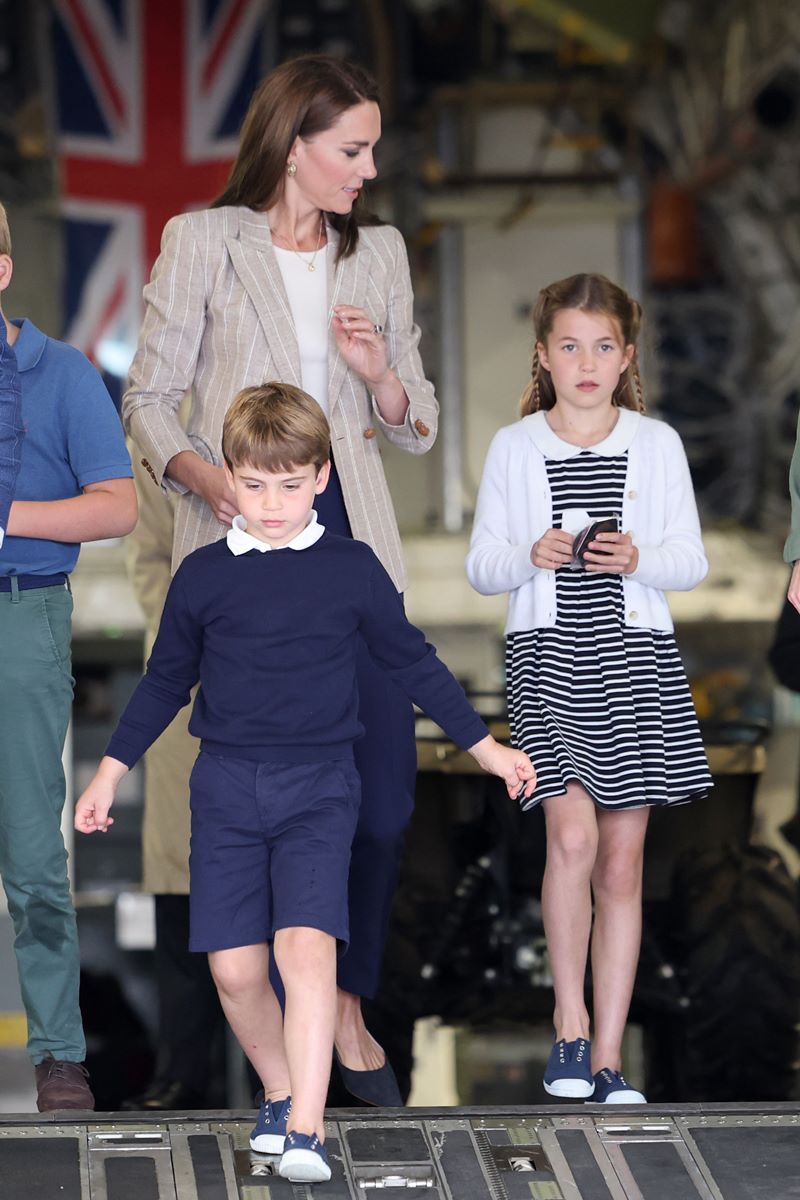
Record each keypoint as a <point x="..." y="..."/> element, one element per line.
<point x="552" y="446"/>
<point x="240" y="541"/>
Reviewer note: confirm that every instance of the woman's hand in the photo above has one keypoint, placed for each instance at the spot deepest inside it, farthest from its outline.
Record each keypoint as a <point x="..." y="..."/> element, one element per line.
<point x="205" y="480"/>
<point x="360" y="346"/>
<point x="612" y="553"/>
<point x="553" y="550"/>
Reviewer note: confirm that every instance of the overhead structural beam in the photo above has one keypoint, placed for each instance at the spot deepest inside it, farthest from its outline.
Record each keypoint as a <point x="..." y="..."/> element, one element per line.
<point x="574" y="21"/>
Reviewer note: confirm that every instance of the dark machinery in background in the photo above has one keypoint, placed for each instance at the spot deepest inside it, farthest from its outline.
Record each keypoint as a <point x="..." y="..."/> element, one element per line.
<point x="718" y="987"/>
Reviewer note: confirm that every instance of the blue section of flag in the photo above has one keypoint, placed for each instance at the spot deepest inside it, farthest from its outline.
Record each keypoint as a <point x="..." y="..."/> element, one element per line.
<point x="83" y="241"/>
<point x="77" y="110"/>
<point x="240" y="98"/>
<point x="115" y="11"/>
<point x="209" y="10"/>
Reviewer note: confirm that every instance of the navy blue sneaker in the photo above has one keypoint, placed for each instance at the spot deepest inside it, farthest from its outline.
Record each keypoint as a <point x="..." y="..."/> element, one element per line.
<point x="304" y="1159"/>
<point x="269" y="1132"/>
<point x="569" y="1070"/>
<point x="611" y="1087"/>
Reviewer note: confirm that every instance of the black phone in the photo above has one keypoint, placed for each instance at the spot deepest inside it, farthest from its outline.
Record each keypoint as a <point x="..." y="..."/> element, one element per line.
<point x="587" y="535"/>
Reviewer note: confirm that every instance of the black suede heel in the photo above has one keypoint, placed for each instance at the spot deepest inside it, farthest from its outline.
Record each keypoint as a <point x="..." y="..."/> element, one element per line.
<point x="378" y="1087"/>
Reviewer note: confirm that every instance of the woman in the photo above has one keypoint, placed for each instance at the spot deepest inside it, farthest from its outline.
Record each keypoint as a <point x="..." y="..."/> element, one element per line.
<point x="284" y="278"/>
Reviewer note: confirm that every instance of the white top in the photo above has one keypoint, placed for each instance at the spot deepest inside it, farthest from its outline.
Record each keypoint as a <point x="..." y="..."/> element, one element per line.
<point x="308" y="300"/>
<point x="515" y="508"/>
<point x="240" y="541"/>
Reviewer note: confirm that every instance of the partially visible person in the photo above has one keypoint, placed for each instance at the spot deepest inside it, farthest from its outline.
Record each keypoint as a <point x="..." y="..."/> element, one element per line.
<point x="189" y="1013"/>
<point x="287" y="277"/>
<point x="268" y="620"/>
<point x="791" y="549"/>
<point x="74" y="485"/>
<point x="784" y="658"/>
<point x="597" y="693"/>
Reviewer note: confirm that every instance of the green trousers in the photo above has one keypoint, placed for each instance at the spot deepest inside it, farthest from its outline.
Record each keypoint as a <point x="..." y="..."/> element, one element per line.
<point x="35" y="701"/>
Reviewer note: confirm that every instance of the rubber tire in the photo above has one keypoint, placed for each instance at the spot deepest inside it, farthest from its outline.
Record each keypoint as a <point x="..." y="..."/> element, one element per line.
<point x="738" y="940"/>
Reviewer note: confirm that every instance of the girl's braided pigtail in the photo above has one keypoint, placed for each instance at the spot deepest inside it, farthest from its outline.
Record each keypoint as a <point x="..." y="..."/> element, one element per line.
<point x="530" y="401"/>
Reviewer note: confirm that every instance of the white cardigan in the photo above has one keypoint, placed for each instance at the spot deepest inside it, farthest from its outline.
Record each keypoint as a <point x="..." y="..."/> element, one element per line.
<point x="515" y="508"/>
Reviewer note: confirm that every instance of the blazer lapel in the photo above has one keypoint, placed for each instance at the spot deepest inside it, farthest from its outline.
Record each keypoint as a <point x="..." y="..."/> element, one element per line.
<point x="254" y="262"/>
<point x="347" y="284"/>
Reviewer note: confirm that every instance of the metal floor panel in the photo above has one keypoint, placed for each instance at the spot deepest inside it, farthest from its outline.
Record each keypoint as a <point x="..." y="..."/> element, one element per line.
<point x="692" y="1152"/>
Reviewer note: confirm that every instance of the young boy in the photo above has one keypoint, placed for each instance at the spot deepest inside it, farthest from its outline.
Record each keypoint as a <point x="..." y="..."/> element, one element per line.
<point x="74" y="485"/>
<point x="268" y="620"/>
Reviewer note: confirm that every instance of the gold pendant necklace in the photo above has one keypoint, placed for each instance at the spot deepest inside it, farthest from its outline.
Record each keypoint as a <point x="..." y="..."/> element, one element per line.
<point x="297" y="253"/>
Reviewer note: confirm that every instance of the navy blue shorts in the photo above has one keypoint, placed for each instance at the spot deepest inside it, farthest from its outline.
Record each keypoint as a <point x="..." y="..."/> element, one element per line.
<point x="270" y="849"/>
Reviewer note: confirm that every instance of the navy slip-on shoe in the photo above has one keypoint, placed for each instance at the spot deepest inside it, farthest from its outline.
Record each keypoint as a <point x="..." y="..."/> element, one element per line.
<point x="378" y="1087"/>
<point x="611" y="1087"/>
<point x="304" y="1159"/>
<point x="568" y="1073"/>
<point x="269" y="1132"/>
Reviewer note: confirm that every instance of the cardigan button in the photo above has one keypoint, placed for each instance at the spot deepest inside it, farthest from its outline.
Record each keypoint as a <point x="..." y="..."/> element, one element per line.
<point x="634" y="616"/>
<point x="633" y="495"/>
<point x="370" y="432"/>
<point x="421" y="428"/>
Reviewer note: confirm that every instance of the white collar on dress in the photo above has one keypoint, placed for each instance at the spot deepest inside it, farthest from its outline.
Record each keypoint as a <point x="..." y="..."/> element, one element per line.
<point x="240" y="541"/>
<point x="552" y="446"/>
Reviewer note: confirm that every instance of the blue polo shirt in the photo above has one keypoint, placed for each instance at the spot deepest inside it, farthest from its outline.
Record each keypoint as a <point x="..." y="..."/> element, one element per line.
<point x="73" y="436"/>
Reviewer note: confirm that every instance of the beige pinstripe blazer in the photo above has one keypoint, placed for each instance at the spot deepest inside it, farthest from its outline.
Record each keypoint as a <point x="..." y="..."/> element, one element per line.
<point x="169" y="761"/>
<point x="218" y="320"/>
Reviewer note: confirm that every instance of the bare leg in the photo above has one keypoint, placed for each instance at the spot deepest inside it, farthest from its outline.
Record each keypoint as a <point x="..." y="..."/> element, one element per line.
<point x="567" y="904"/>
<point x="617" y="886"/>
<point x="306" y="959"/>
<point x="355" y="1045"/>
<point x="253" y="1013"/>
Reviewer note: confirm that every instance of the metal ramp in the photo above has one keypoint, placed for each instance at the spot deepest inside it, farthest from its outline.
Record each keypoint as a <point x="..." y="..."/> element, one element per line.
<point x="695" y="1152"/>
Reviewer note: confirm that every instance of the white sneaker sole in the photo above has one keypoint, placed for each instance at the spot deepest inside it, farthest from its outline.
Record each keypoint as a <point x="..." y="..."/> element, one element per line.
<point x="303" y="1166"/>
<point x="627" y="1097"/>
<point x="268" y="1143"/>
<point x="569" y="1089"/>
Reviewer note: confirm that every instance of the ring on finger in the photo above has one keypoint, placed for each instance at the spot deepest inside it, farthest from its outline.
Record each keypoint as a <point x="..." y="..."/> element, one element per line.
<point x="376" y="328"/>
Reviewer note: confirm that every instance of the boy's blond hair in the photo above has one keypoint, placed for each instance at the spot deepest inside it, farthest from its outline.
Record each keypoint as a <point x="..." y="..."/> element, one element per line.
<point x="275" y="427"/>
<point x="5" y="233"/>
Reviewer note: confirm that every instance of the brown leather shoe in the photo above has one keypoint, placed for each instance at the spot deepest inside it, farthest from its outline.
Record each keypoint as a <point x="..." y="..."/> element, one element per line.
<point x="62" y="1084"/>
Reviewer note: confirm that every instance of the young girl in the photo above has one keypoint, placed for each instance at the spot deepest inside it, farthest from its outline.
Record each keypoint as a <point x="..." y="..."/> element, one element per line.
<point x="597" y="693"/>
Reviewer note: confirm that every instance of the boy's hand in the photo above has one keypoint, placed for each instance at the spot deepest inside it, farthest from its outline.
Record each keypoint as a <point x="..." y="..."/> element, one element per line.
<point x="512" y="766"/>
<point x="91" y="811"/>
<point x="553" y="550"/>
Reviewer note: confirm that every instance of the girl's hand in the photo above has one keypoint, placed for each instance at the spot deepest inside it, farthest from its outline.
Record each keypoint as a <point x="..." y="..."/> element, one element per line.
<point x="512" y="766"/>
<point x="617" y="554"/>
<point x="91" y="811"/>
<point x="553" y="550"/>
<point x="360" y="346"/>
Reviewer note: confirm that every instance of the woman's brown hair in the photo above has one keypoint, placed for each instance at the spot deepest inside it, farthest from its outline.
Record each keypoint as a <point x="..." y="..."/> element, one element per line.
<point x="595" y="294"/>
<point x="300" y="98"/>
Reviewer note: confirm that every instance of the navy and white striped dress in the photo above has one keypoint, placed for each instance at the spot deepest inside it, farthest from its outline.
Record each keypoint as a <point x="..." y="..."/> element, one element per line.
<point x="593" y="699"/>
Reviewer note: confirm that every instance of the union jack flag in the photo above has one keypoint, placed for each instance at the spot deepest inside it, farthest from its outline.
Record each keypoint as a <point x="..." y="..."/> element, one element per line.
<point x="149" y="96"/>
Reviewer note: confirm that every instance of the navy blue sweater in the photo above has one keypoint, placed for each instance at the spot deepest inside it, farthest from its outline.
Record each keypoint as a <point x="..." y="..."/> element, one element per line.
<point x="272" y="639"/>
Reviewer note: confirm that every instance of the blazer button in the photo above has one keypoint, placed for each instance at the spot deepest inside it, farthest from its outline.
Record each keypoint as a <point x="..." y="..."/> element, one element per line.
<point x="370" y="432"/>
<point x="421" y="428"/>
